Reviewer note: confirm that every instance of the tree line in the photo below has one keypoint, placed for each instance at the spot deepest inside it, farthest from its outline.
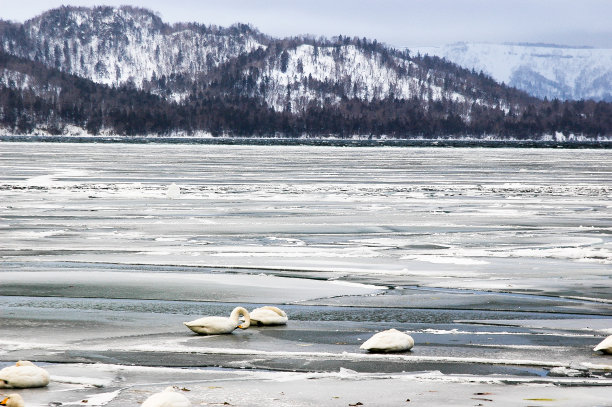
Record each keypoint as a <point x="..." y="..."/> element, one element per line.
<point x="54" y="99"/>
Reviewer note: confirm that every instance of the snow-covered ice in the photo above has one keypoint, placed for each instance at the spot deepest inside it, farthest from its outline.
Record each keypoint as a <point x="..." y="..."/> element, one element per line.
<point x="496" y="261"/>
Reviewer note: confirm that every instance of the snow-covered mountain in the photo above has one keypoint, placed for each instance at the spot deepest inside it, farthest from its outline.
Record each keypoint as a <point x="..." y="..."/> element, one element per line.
<point x="134" y="47"/>
<point x="123" y="70"/>
<point x="550" y="71"/>
<point x="291" y="81"/>
<point x="115" y="46"/>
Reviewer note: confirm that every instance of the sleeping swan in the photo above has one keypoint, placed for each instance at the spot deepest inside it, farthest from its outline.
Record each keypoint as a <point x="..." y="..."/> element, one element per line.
<point x="220" y="325"/>
<point x="12" y="400"/>
<point x="605" y="346"/>
<point x="268" y="316"/>
<point x="23" y="374"/>
<point x="167" y="398"/>
<point x="390" y="340"/>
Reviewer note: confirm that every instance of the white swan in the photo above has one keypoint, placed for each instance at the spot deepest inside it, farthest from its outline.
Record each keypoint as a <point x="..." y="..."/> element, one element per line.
<point x="173" y="191"/>
<point x="390" y="340"/>
<point x="268" y="316"/>
<point x="167" y="398"/>
<point x="23" y="374"/>
<point x="12" y="400"/>
<point x="220" y="325"/>
<point x="605" y="346"/>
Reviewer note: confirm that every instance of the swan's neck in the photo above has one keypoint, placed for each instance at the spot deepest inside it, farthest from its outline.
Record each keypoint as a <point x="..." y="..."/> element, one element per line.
<point x="235" y="315"/>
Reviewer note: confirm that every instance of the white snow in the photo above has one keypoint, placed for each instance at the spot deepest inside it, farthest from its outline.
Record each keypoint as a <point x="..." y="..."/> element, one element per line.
<point x="141" y="52"/>
<point x="552" y="71"/>
<point x="367" y="77"/>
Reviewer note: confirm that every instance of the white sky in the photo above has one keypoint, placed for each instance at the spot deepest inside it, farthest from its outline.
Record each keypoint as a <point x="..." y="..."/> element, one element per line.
<point x="395" y="22"/>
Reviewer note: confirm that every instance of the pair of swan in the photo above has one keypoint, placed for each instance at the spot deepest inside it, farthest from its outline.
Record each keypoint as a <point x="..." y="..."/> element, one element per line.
<point x="23" y="375"/>
<point x="267" y="315"/>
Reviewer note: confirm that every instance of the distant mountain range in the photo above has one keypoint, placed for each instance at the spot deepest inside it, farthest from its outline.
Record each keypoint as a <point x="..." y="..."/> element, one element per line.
<point x="124" y="71"/>
<point x="542" y="70"/>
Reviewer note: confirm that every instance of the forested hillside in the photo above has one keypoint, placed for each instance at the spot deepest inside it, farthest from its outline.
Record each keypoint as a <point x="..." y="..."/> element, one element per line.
<point x="124" y="71"/>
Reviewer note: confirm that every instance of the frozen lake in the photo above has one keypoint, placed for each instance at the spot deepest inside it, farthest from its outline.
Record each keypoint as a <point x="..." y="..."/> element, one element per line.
<point x="497" y="261"/>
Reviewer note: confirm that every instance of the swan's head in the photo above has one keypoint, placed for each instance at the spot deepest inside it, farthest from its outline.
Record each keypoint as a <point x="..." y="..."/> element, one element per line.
<point x="12" y="400"/>
<point x="246" y="323"/>
<point x="24" y="363"/>
<point x="245" y="315"/>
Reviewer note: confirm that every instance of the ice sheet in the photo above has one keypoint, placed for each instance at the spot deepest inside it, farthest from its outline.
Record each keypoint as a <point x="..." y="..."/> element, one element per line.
<point x="132" y="385"/>
<point x="497" y="262"/>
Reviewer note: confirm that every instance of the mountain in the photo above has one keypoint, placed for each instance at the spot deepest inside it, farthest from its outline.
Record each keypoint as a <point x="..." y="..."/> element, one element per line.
<point x="126" y="45"/>
<point x="542" y="70"/>
<point x="132" y="46"/>
<point x="123" y="70"/>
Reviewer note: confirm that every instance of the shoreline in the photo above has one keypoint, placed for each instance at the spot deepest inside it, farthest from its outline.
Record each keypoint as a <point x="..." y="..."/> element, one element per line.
<point x="441" y="142"/>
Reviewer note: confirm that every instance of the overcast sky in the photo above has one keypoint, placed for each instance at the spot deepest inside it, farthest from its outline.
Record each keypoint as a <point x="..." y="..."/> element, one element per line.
<point x="398" y="23"/>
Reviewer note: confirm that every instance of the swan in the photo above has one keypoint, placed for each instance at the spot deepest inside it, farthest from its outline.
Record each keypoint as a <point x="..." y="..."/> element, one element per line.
<point x="167" y="398"/>
<point x="173" y="191"/>
<point x="605" y="346"/>
<point x="23" y="374"/>
<point x="12" y="400"/>
<point x="220" y="325"/>
<point x="390" y="340"/>
<point x="268" y="316"/>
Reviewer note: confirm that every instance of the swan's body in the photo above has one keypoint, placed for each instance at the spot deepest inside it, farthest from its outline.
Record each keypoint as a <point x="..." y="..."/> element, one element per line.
<point x="173" y="191"/>
<point x="268" y="316"/>
<point x="605" y="346"/>
<point x="24" y="374"/>
<point x="167" y="398"/>
<point x="12" y="400"/>
<point x="220" y="325"/>
<point x="390" y="340"/>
